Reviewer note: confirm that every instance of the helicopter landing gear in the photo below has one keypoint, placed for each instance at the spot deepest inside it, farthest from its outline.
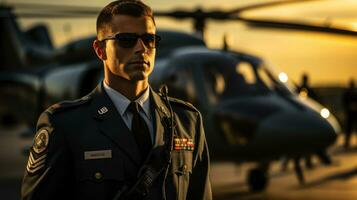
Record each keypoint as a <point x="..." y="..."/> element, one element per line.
<point x="257" y="179"/>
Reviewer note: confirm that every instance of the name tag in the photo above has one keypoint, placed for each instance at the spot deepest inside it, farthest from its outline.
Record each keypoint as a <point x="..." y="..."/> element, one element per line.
<point x="102" y="154"/>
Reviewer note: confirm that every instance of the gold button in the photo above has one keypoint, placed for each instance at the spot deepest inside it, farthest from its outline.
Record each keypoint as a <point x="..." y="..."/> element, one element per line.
<point x="98" y="175"/>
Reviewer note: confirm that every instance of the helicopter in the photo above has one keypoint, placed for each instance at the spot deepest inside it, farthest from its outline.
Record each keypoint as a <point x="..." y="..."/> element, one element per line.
<point x="250" y="114"/>
<point x="243" y="125"/>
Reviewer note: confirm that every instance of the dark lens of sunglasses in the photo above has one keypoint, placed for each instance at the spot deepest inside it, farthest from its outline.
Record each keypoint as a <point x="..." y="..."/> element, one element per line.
<point x="149" y="40"/>
<point x="127" y="40"/>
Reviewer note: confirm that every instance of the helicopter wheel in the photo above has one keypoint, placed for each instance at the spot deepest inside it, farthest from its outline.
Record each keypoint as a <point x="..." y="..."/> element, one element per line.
<point x="257" y="180"/>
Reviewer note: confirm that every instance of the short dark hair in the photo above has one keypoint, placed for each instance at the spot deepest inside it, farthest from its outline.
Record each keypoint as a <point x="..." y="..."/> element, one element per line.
<point x="135" y="8"/>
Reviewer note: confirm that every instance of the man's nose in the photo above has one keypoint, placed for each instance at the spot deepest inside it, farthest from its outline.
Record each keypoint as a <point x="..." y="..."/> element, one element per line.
<point x="140" y="46"/>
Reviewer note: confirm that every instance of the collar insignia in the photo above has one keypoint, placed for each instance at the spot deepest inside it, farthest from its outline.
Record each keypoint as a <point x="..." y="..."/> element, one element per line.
<point x="103" y="110"/>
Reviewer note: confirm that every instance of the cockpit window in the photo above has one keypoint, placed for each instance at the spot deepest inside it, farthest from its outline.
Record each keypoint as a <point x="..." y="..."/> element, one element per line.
<point x="265" y="78"/>
<point x="230" y="80"/>
<point x="246" y="70"/>
<point x="280" y="80"/>
<point x="233" y="79"/>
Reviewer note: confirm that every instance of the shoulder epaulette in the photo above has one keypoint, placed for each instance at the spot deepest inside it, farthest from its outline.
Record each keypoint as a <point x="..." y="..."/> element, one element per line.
<point x="64" y="105"/>
<point x="182" y="103"/>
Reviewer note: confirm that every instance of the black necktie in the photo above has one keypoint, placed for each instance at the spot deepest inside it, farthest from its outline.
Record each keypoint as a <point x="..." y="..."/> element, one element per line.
<point x="140" y="130"/>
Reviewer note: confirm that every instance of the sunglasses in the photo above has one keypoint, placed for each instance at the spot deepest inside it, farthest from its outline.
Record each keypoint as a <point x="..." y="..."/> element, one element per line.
<point x="129" y="40"/>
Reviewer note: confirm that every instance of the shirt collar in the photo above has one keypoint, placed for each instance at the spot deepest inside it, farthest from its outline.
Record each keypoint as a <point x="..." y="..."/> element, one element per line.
<point x="121" y="103"/>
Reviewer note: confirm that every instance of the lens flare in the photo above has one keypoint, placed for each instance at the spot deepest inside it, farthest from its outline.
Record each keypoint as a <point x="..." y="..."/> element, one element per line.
<point x="283" y="77"/>
<point x="325" y="113"/>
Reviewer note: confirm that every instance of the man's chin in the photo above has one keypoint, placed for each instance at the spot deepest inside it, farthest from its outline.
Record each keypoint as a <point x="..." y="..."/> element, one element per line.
<point x="138" y="76"/>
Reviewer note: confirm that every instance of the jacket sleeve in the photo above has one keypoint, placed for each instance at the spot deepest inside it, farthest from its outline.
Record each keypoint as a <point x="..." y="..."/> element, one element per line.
<point x="200" y="185"/>
<point x="48" y="174"/>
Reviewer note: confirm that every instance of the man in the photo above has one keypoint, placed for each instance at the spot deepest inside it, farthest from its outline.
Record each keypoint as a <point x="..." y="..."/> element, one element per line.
<point x="349" y="100"/>
<point x="305" y="90"/>
<point x="123" y="140"/>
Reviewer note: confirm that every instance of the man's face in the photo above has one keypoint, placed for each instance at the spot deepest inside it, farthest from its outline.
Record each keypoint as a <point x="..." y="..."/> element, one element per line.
<point x="133" y="64"/>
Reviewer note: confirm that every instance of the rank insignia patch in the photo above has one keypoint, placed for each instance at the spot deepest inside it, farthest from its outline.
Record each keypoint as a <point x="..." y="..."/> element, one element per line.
<point x="183" y="144"/>
<point x="41" y="141"/>
<point x="35" y="164"/>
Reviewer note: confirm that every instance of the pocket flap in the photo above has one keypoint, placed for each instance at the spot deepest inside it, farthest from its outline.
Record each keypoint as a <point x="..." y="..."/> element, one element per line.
<point x="99" y="170"/>
<point x="181" y="162"/>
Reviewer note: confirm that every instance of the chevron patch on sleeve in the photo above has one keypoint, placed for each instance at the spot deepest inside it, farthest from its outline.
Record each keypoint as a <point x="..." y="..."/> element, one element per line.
<point x="38" y="153"/>
<point x="35" y="164"/>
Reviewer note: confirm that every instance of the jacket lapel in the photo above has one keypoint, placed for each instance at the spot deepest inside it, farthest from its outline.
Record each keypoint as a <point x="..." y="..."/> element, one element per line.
<point x="161" y="114"/>
<point x="112" y="125"/>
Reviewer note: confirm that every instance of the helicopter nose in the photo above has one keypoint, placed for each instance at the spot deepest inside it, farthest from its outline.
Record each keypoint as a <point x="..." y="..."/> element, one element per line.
<point x="295" y="132"/>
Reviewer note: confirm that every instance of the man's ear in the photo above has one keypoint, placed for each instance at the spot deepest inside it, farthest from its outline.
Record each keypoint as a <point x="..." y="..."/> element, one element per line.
<point x="99" y="49"/>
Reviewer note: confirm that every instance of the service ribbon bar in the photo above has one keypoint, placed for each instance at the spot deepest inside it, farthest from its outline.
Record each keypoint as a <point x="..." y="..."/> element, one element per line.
<point x="184" y="144"/>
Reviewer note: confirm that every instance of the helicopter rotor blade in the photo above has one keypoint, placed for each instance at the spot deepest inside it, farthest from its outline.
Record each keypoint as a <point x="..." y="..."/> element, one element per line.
<point x="198" y="16"/>
<point x="275" y="24"/>
<point x="30" y="10"/>
<point x="56" y="8"/>
<point x="265" y="5"/>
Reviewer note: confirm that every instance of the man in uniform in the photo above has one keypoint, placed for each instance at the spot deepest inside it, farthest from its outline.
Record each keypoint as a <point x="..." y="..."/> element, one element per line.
<point x="123" y="140"/>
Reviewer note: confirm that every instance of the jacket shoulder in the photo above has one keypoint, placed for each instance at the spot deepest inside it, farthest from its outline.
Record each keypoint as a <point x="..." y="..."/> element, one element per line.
<point x="68" y="105"/>
<point x="183" y="104"/>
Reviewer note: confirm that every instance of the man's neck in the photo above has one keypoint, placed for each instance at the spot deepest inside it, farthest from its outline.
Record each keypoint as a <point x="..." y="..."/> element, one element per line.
<point x="131" y="90"/>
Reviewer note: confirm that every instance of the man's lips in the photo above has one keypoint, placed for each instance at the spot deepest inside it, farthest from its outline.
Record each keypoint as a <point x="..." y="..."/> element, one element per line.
<point x="139" y="62"/>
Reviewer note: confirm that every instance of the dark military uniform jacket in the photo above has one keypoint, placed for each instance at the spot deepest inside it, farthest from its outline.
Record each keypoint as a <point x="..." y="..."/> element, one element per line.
<point x="83" y="150"/>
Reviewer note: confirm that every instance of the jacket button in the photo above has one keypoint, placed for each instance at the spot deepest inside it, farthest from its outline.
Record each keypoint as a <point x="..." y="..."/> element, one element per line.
<point x="98" y="175"/>
<point x="184" y="169"/>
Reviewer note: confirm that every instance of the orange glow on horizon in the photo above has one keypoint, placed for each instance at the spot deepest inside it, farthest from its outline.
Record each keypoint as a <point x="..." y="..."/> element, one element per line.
<point x="326" y="58"/>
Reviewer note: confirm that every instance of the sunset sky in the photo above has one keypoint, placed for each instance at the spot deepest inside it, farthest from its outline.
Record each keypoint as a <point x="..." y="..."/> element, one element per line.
<point x="328" y="59"/>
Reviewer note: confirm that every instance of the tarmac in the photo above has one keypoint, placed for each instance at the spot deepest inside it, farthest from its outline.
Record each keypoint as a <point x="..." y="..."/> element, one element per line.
<point x="335" y="182"/>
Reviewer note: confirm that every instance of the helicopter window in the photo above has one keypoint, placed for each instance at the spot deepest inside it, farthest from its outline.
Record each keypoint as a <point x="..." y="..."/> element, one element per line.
<point x="246" y="70"/>
<point x="233" y="79"/>
<point x="220" y="84"/>
<point x="265" y="78"/>
<point x="215" y="83"/>
<point x="274" y="83"/>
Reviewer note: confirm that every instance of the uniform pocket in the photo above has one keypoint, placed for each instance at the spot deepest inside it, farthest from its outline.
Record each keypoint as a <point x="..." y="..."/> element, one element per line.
<point x="181" y="171"/>
<point x="99" y="179"/>
<point x="100" y="170"/>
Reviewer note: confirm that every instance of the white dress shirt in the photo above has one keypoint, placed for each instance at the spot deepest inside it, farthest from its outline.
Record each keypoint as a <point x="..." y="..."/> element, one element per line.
<point x="121" y="103"/>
